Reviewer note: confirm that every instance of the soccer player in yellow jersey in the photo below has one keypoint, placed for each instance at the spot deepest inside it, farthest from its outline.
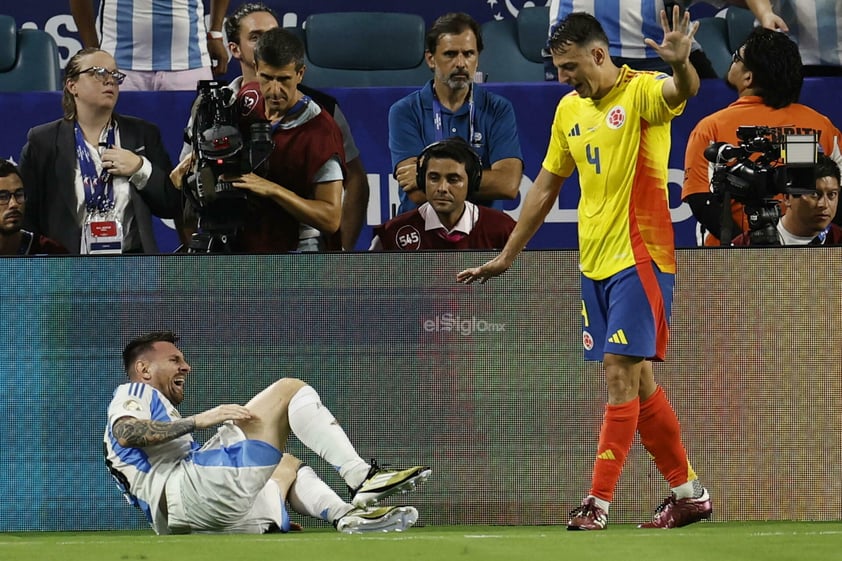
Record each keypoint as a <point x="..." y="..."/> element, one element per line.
<point x="615" y="129"/>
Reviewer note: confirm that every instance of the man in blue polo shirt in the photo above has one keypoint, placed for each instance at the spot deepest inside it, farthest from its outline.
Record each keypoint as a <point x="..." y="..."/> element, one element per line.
<point x="452" y="105"/>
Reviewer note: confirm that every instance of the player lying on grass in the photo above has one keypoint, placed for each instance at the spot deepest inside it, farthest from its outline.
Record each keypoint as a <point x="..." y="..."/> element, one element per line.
<point x="240" y="480"/>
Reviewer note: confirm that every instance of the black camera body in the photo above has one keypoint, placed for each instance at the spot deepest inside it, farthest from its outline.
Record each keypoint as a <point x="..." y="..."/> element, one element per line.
<point x="221" y="150"/>
<point x="764" y="164"/>
<point x="749" y="180"/>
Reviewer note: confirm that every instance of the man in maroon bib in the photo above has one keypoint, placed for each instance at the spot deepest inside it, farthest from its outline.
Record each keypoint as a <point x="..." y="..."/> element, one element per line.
<point x="297" y="193"/>
<point x="447" y="171"/>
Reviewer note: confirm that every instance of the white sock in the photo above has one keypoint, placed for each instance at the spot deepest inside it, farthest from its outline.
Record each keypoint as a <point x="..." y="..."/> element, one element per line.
<point x="316" y="427"/>
<point x="311" y="496"/>
<point x="684" y="491"/>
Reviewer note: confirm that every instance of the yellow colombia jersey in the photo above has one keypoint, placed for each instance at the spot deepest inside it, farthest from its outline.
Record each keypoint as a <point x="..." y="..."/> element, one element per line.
<point x="620" y="145"/>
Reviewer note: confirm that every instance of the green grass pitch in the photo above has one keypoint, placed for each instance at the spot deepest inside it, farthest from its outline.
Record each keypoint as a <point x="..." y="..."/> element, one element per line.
<point x="749" y="541"/>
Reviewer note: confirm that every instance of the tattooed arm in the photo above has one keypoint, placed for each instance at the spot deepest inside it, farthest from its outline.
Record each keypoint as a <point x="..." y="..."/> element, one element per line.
<point x="136" y="433"/>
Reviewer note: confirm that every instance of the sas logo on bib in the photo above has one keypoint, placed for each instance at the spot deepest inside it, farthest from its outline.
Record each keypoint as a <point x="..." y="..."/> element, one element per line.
<point x="616" y="117"/>
<point x="408" y="238"/>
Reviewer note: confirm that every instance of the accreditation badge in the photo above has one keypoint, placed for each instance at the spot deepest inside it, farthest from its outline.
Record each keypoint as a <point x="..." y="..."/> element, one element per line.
<point x="102" y="235"/>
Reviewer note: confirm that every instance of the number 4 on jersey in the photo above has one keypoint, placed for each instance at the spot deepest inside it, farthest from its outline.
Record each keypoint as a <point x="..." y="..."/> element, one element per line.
<point x="593" y="157"/>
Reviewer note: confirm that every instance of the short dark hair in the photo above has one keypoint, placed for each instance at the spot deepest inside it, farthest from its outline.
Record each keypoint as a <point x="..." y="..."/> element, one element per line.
<point x="454" y="148"/>
<point x="775" y="65"/>
<point x="7" y="168"/>
<point x="577" y="28"/>
<point x="232" y="22"/>
<point x="453" y="23"/>
<point x="826" y="167"/>
<point x="140" y="345"/>
<point x="279" y="47"/>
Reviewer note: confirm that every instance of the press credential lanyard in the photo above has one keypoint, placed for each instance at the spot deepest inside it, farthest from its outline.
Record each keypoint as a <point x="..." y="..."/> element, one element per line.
<point x="437" y="118"/>
<point x="98" y="189"/>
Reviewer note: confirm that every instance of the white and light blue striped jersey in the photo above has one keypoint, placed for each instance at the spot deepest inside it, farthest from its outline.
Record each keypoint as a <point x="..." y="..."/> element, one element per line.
<point x="625" y="22"/>
<point x="817" y="28"/>
<point x="158" y="35"/>
<point x="141" y="473"/>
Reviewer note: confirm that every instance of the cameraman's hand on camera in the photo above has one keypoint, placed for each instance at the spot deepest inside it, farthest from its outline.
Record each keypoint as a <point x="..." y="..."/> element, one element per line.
<point x="180" y="171"/>
<point x="254" y="183"/>
<point x="119" y="161"/>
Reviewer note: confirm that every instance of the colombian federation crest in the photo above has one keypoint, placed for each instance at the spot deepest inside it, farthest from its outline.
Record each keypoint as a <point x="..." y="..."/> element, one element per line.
<point x="616" y="117"/>
<point x="587" y="341"/>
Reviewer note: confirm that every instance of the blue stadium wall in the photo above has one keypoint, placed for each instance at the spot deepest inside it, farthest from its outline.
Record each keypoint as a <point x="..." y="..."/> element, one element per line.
<point x="486" y="383"/>
<point x="367" y="111"/>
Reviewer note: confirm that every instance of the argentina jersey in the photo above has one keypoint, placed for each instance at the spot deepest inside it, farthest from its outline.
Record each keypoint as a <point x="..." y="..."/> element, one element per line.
<point x="816" y="27"/>
<point x="625" y="22"/>
<point x="154" y="35"/>
<point x="141" y="473"/>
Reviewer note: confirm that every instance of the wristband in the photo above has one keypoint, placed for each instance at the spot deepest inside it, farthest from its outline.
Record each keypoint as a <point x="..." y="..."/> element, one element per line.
<point x="215" y="35"/>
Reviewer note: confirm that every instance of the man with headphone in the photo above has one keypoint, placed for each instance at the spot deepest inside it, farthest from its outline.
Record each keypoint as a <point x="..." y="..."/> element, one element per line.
<point x="448" y="172"/>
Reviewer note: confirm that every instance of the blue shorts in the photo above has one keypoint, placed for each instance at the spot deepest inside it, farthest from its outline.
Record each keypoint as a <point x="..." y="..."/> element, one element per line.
<point x="627" y="313"/>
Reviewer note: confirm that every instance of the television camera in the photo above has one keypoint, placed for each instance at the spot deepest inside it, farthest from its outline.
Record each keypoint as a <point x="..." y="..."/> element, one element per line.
<point x="220" y="149"/>
<point x="764" y="164"/>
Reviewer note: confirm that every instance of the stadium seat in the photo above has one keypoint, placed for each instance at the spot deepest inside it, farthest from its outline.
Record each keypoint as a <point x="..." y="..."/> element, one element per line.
<point x="348" y="49"/>
<point x="721" y="36"/>
<point x="513" y="47"/>
<point x="29" y="59"/>
<point x="740" y="23"/>
<point x="532" y="28"/>
<point x="712" y="35"/>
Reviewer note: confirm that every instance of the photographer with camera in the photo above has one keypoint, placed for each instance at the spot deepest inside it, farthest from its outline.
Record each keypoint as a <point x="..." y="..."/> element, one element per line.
<point x="808" y="216"/>
<point x="297" y="182"/>
<point x="767" y="74"/>
<point x="243" y="27"/>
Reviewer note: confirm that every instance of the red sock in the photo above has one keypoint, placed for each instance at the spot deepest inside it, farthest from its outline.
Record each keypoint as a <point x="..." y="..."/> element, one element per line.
<point x="615" y="439"/>
<point x="660" y="433"/>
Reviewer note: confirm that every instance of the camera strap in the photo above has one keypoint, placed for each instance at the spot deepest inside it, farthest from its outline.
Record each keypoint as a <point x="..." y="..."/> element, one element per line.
<point x="299" y="106"/>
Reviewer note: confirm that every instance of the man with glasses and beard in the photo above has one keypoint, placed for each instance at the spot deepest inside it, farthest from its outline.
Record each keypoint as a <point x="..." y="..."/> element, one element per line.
<point x="14" y="240"/>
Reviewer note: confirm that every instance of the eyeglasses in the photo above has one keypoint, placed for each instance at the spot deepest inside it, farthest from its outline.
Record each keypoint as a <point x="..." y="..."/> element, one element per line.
<point x="6" y="197"/>
<point x="101" y="74"/>
<point x="735" y="57"/>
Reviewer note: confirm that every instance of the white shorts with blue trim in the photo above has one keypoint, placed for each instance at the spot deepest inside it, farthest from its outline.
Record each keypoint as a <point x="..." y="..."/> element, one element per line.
<point x="226" y="486"/>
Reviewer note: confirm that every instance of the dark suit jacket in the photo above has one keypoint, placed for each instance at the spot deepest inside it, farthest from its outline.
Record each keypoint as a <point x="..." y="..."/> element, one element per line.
<point x="48" y="168"/>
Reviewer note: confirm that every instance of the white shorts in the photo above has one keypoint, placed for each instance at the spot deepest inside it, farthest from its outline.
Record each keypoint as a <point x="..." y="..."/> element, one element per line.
<point x="164" y="80"/>
<point x="225" y="487"/>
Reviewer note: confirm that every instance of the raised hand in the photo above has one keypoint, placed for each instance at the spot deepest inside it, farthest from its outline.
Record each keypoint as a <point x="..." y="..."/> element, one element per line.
<point x="675" y="46"/>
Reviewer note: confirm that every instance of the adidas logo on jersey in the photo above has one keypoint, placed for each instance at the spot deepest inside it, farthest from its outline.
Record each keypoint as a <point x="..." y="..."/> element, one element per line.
<point x="619" y="338"/>
<point x="575" y="131"/>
